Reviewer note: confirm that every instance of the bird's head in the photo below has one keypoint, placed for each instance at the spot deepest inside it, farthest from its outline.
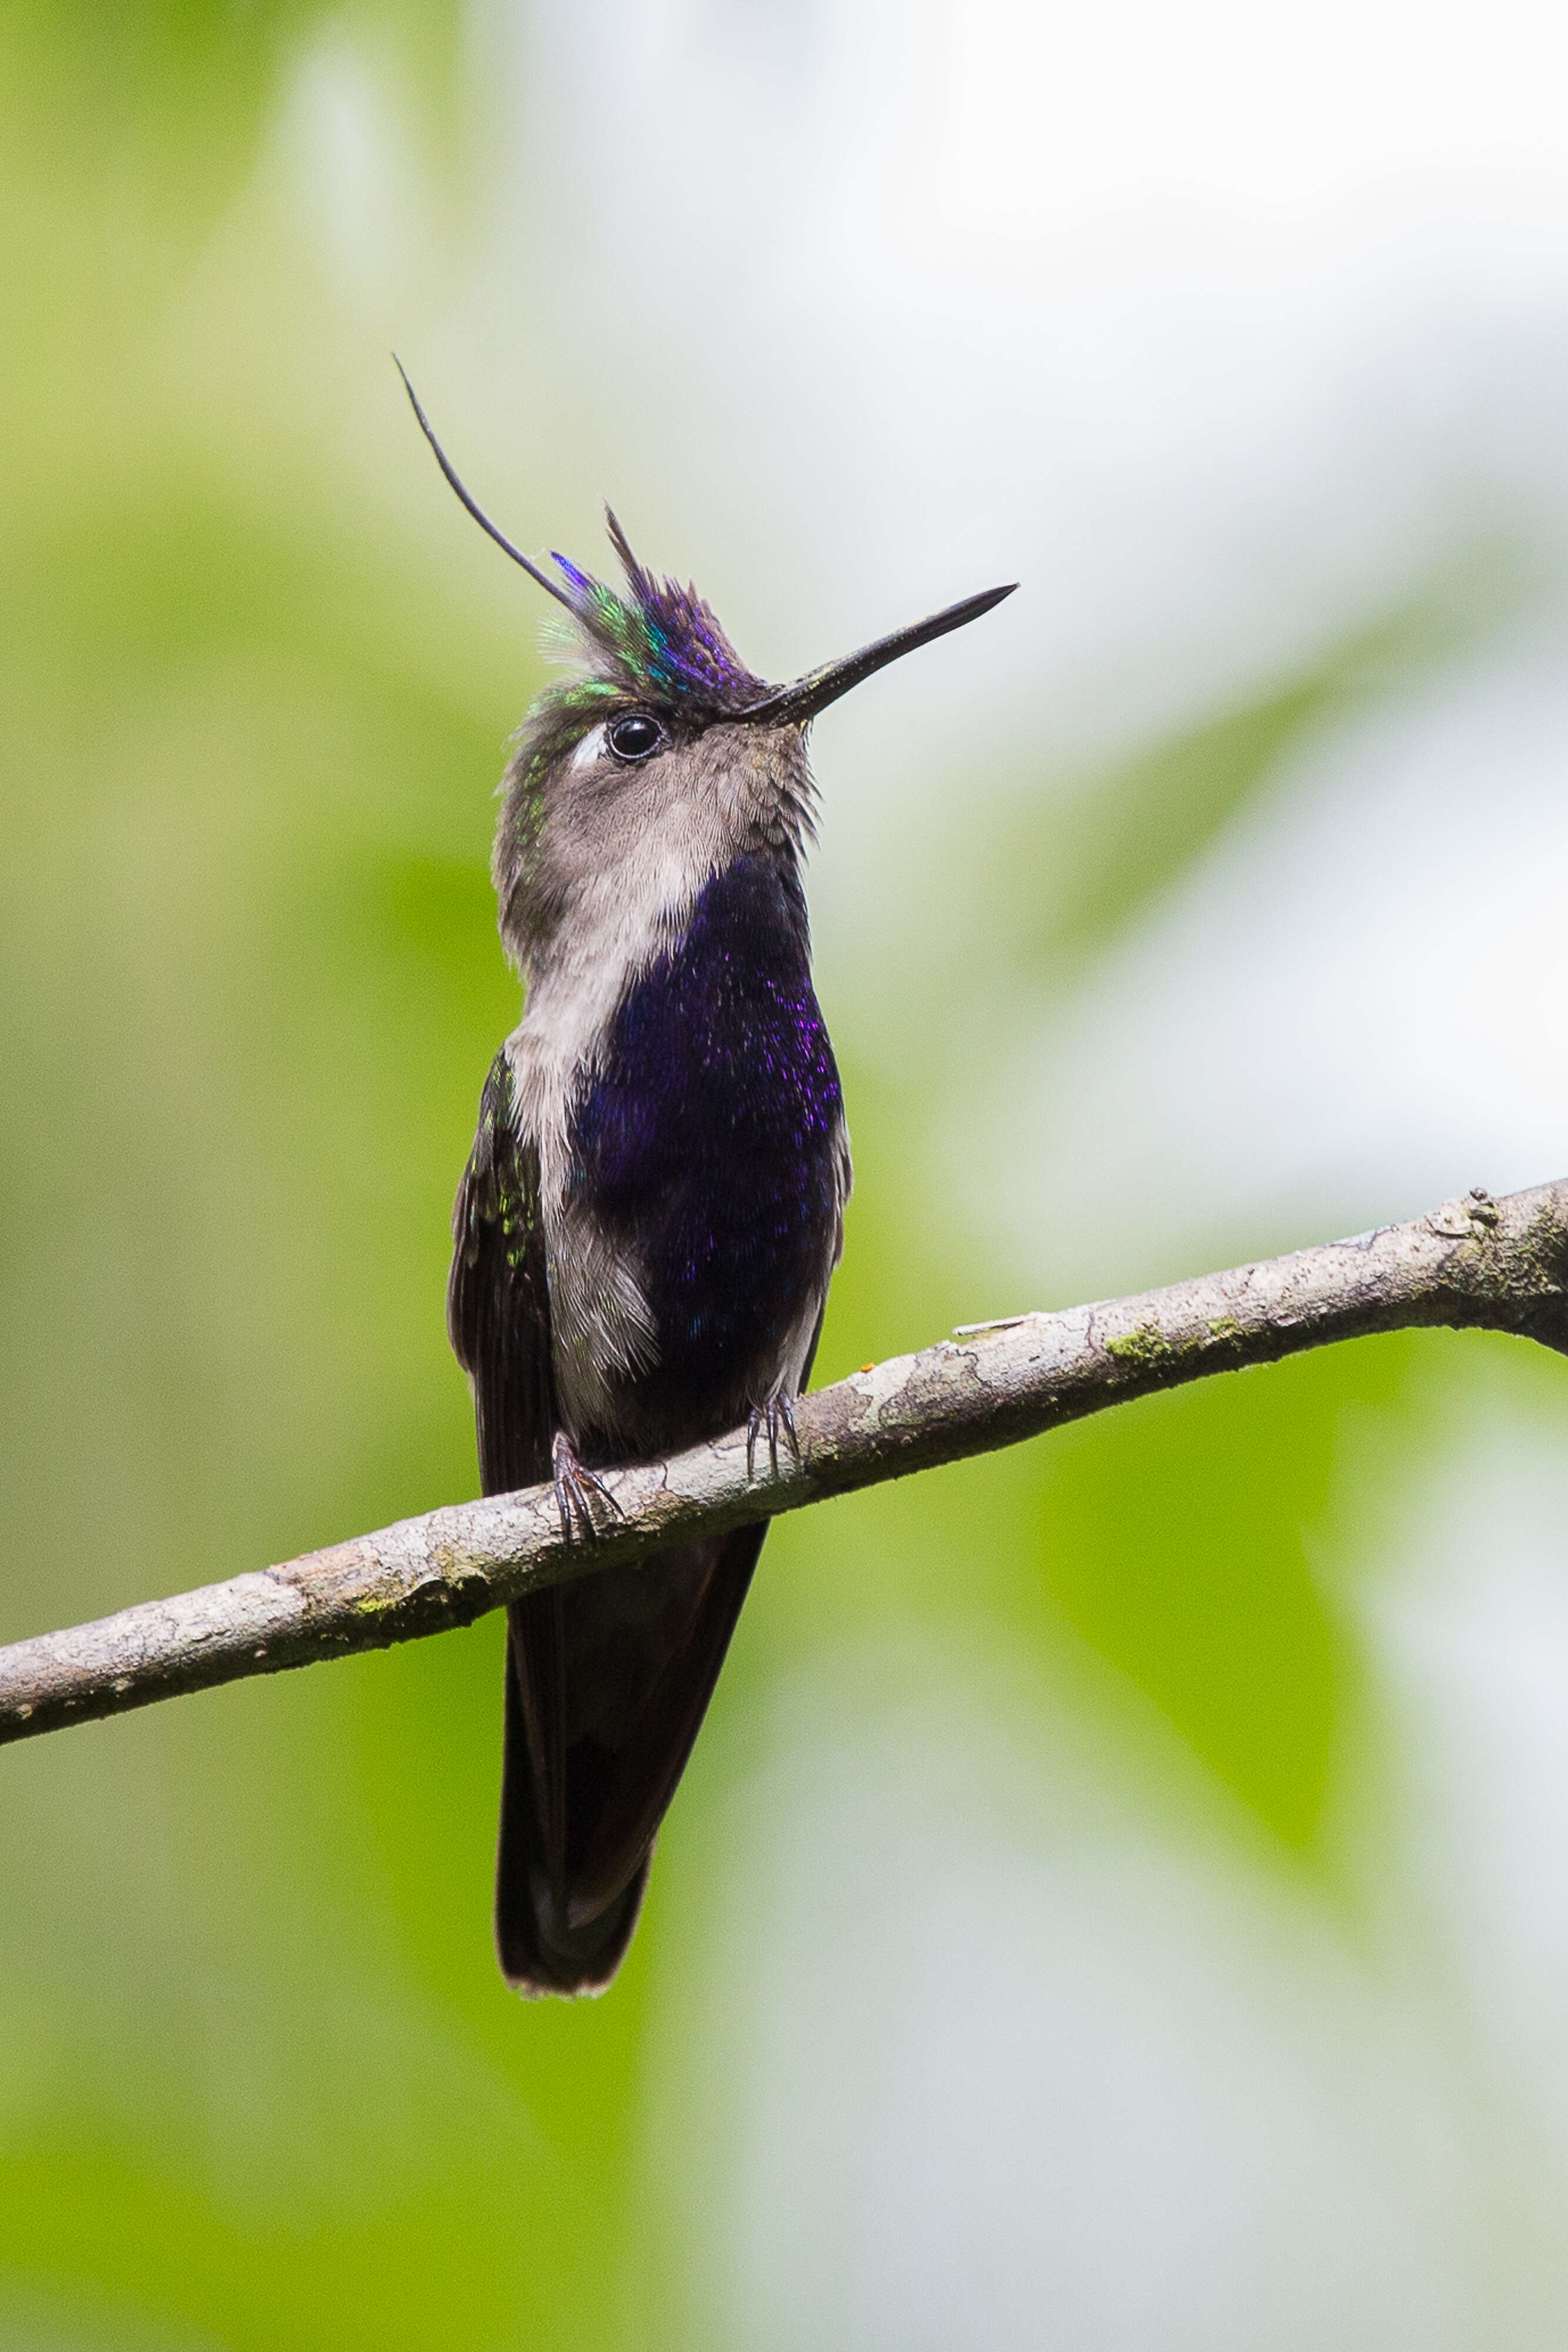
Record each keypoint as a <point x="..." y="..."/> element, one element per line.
<point x="660" y="733"/>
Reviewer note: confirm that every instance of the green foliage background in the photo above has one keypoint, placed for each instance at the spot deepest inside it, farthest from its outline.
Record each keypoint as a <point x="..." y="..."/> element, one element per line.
<point x="259" y="2083"/>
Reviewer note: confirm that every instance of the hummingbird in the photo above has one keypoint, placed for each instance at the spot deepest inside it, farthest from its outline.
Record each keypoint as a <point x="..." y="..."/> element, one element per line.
<point x="653" y="1210"/>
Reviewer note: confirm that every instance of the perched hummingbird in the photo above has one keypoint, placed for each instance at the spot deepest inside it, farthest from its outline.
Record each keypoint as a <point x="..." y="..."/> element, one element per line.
<point x="647" y="1228"/>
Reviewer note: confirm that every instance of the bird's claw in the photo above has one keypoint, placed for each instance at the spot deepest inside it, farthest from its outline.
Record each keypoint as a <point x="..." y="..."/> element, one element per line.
<point x="778" y="1414"/>
<point x="575" y="1488"/>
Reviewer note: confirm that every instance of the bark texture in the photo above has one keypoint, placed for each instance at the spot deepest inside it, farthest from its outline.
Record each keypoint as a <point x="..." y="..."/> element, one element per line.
<point x="1500" y="1266"/>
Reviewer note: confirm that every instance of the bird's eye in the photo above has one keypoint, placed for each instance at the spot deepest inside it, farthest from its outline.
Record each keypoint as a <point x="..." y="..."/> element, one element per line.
<point x="636" y="736"/>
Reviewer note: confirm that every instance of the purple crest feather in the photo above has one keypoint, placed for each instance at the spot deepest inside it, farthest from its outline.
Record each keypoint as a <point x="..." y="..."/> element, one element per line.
<point x="658" y="638"/>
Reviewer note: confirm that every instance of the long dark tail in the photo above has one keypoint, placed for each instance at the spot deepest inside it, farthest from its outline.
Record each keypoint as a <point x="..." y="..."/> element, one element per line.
<point x="608" y="1679"/>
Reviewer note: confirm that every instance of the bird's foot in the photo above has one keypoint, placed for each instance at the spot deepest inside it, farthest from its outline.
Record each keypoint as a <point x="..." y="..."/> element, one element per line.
<point x="775" y="1418"/>
<point x="575" y="1488"/>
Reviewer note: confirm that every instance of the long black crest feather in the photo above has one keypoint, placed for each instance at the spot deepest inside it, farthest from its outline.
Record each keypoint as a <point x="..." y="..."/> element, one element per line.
<point x="550" y="586"/>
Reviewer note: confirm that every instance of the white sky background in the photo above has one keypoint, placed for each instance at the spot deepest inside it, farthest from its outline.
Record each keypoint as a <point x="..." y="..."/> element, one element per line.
<point x="1220" y="327"/>
<point x="1142" y="145"/>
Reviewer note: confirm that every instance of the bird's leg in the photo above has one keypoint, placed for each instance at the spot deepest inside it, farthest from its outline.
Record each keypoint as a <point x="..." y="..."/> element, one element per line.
<point x="778" y="1413"/>
<point x="575" y="1488"/>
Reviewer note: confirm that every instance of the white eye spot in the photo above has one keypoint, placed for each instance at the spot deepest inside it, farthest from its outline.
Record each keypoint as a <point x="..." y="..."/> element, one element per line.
<point x="590" y="749"/>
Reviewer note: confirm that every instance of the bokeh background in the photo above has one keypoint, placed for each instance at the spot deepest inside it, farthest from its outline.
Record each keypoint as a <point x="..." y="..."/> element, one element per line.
<point x="1120" y="1900"/>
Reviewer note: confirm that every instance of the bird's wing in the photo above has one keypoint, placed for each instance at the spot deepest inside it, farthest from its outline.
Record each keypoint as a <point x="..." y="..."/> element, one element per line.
<point x="497" y="1314"/>
<point x="497" y="1298"/>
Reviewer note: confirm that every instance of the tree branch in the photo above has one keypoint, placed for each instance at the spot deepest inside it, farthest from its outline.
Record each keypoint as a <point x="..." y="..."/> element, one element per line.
<point x="1500" y="1266"/>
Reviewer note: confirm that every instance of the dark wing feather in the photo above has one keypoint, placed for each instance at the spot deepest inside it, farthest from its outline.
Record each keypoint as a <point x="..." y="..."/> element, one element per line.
<point x="497" y="1313"/>
<point x="497" y="1298"/>
<point x="636" y="1652"/>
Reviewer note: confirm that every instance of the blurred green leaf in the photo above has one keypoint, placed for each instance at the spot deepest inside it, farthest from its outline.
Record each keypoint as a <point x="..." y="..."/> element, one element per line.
<point x="1096" y="855"/>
